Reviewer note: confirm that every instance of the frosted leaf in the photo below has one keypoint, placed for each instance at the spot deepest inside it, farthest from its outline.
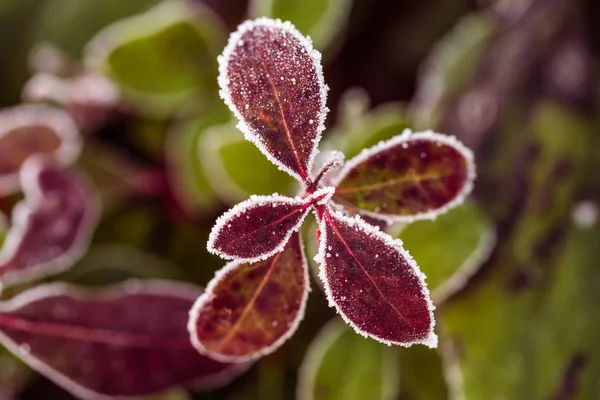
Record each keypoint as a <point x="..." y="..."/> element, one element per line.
<point x="51" y="228"/>
<point x="273" y="83"/>
<point x="124" y="341"/>
<point x="257" y="228"/>
<point x="29" y="130"/>
<point x="382" y="297"/>
<point x="409" y="177"/>
<point x="249" y="310"/>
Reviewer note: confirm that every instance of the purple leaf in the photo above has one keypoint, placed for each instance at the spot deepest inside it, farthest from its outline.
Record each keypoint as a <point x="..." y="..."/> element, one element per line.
<point x="373" y="282"/>
<point x="257" y="228"/>
<point x="411" y="176"/>
<point x="28" y="130"/>
<point x="127" y="340"/>
<point x="249" y="310"/>
<point x="272" y="79"/>
<point x="51" y="228"/>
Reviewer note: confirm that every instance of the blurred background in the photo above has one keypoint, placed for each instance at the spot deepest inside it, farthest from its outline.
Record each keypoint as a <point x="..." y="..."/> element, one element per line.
<point x="514" y="272"/>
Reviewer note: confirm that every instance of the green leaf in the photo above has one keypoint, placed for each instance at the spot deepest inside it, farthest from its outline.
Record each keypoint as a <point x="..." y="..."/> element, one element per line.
<point x="70" y="24"/>
<point x="421" y="374"/>
<point x="343" y="365"/>
<point x="534" y="311"/>
<point x="235" y="168"/>
<point x="322" y="20"/>
<point x="451" y="248"/>
<point x="163" y="60"/>
<point x="186" y="173"/>
<point x="370" y="128"/>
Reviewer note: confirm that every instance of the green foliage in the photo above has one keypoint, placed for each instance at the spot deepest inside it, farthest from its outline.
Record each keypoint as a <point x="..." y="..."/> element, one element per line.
<point x="164" y="59"/>
<point x="221" y="148"/>
<point x="322" y="20"/>
<point x="451" y="248"/>
<point x="341" y="365"/>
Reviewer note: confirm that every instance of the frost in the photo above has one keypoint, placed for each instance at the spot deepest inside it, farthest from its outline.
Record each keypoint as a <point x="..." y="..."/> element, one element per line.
<point x="62" y="364"/>
<point x="360" y="225"/>
<point x="291" y="38"/>
<point x="403" y="140"/>
<point x="51" y="228"/>
<point x="247" y="210"/>
<point x="41" y="121"/>
<point x="210" y="294"/>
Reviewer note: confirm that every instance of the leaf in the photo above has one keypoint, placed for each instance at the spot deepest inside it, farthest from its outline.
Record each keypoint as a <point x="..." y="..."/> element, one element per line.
<point x="257" y="228"/>
<point x="535" y="308"/>
<point x="163" y="60"/>
<point x="272" y="80"/>
<point x="187" y="176"/>
<point x="374" y="284"/>
<point x="322" y="20"/>
<point x="227" y="156"/>
<point x="70" y="26"/>
<point x="51" y="228"/>
<point x="450" y="249"/>
<point x="29" y="130"/>
<point x="380" y="123"/>
<point x="412" y="176"/>
<point x="249" y="310"/>
<point x="122" y="341"/>
<point x="340" y="365"/>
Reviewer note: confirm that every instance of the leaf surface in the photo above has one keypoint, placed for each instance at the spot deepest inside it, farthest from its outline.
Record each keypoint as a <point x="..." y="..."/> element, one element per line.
<point x="29" y="130"/>
<point x="237" y="168"/>
<point x="249" y="310"/>
<point x="163" y="60"/>
<point x="272" y="79"/>
<point x="124" y="341"/>
<point x="451" y="248"/>
<point x="340" y="365"/>
<point x="412" y="176"/>
<point x="51" y="228"/>
<point x="257" y="228"/>
<point x="373" y="282"/>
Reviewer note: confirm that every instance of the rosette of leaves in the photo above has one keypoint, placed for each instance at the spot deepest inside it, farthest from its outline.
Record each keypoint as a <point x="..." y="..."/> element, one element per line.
<point x="271" y="78"/>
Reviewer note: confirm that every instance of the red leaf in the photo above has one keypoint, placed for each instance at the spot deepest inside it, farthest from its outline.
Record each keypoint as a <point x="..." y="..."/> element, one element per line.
<point x="257" y="228"/>
<point x="33" y="129"/>
<point x="272" y="79"/>
<point x="127" y="340"/>
<point x="411" y="176"/>
<point x="51" y="227"/>
<point x="373" y="282"/>
<point x="249" y="310"/>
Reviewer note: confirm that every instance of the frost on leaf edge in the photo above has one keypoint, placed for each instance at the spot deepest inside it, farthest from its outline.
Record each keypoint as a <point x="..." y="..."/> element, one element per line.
<point x="20" y="219"/>
<point x="431" y="340"/>
<point x="57" y="120"/>
<point x="132" y="286"/>
<point x="209" y="294"/>
<point x="225" y="94"/>
<point x="242" y="207"/>
<point x="407" y="136"/>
